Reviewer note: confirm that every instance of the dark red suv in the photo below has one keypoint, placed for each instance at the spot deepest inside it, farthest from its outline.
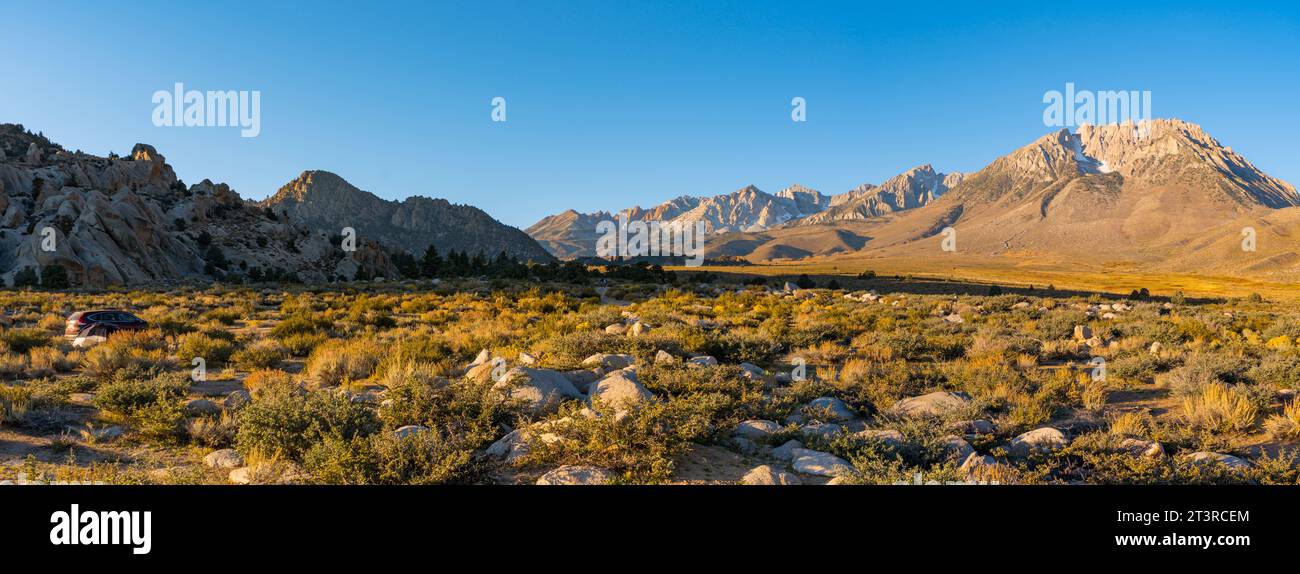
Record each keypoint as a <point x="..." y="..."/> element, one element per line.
<point x="103" y="323"/>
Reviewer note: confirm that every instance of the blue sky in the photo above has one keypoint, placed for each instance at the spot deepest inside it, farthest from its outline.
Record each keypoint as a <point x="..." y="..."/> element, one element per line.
<point x="615" y="103"/>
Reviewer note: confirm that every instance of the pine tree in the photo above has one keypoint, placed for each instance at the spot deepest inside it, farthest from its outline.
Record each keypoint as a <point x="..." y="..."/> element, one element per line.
<point x="431" y="264"/>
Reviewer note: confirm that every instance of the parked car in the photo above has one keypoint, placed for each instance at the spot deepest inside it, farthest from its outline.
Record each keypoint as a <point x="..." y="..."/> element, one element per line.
<point x="102" y="323"/>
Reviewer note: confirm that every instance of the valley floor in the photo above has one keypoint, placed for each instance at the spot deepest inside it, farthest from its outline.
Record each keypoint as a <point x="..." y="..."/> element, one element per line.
<point x="701" y="383"/>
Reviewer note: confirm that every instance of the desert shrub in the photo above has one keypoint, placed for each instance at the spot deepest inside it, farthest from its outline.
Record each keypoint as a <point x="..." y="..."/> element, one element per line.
<point x="1138" y="367"/>
<point x="45" y="361"/>
<point x="224" y="315"/>
<point x="213" y="349"/>
<point x="17" y="402"/>
<point x="1132" y="424"/>
<point x="213" y="431"/>
<point x="302" y="344"/>
<point x="103" y="361"/>
<point x="744" y="397"/>
<point x="301" y="325"/>
<point x="1285" y="425"/>
<point x="285" y="421"/>
<point x="261" y="379"/>
<point x="639" y="447"/>
<point x="1060" y="325"/>
<point x="739" y="347"/>
<point x="1202" y="369"/>
<point x="51" y="323"/>
<point x="874" y="385"/>
<point x="129" y="390"/>
<point x="12" y="365"/>
<point x="337" y="361"/>
<point x="431" y="354"/>
<point x="468" y="410"/>
<point x="384" y="458"/>
<point x="262" y="354"/>
<point x="1219" y="408"/>
<point x="23" y="340"/>
<point x="1277" y="370"/>
<point x="161" y="421"/>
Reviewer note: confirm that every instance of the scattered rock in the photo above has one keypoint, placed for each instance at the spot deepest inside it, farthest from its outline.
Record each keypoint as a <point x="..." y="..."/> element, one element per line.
<point x="787" y="450"/>
<point x="201" y="407"/>
<point x="819" y="463"/>
<point x="484" y="357"/>
<point x="1227" y="460"/>
<point x="823" y="431"/>
<point x="408" y="430"/>
<point x="583" y="379"/>
<point x="933" y="404"/>
<point x="752" y="371"/>
<point x="664" y="358"/>
<point x="480" y="372"/>
<point x="765" y="475"/>
<point x="829" y="409"/>
<point x="616" y="329"/>
<point x="891" y="438"/>
<point x="224" y="458"/>
<point x="975" y="461"/>
<point x="755" y="429"/>
<point x="576" y="475"/>
<point x="703" y="361"/>
<point x="237" y="399"/>
<point x="540" y="390"/>
<point x="527" y="359"/>
<point x="957" y="448"/>
<point x="241" y="475"/>
<point x="608" y="362"/>
<point x="620" y="389"/>
<point x="1141" y="447"/>
<point x="1045" y="439"/>
<point x="979" y="426"/>
<point x="107" y="434"/>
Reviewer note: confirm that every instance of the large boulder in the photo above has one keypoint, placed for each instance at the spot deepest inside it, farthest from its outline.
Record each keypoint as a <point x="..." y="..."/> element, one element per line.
<point x="540" y="390"/>
<point x="819" y="463"/>
<point x="1142" y="447"/>
<point x="890" y="438"/>
<point x="765" y="475"/>
<point x="576" y="475"/>
<point x="756" y="429"/>
<point x="663" y="357"/>
<point x="787" y="450"/>
<point x="224" y="458"/>
<point x="608" y="362"/>
<point x="514" y="445"/>
<point x="822" y="431"/>
<point x="933" y="404"/>
<point x="1211" y="458"/>
<point x="956" y="448"/>
<point x="620" y="390"/>
<point x="702" y="361"/>
<point x="829" y="409"/>
<point x="1040" y="440"/>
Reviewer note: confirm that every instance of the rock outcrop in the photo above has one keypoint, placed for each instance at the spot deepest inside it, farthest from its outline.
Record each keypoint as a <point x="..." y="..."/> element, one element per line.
<point x="129" y="221"/>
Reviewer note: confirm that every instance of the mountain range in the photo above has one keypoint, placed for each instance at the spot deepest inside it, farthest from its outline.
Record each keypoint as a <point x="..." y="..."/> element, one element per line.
<point x="571" y="234"/>
<point x="1162" y="194"/>
<point x="130" y="221"/>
